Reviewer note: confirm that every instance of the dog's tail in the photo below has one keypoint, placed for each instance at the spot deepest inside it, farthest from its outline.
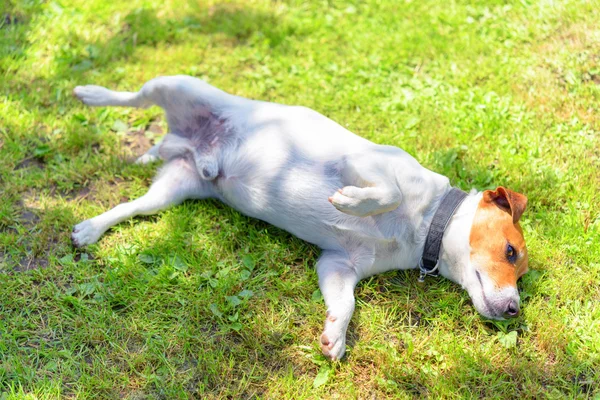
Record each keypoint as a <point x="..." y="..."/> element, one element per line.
<point x="175" y="146"/>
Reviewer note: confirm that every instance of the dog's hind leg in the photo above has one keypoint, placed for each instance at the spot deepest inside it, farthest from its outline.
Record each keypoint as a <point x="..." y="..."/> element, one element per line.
<point x="178" y="94"/>
<point x="197" y="113"/>
<point x="199" y="119"/>
<point x="97" y="96"/>
<point x="177" y="181"/>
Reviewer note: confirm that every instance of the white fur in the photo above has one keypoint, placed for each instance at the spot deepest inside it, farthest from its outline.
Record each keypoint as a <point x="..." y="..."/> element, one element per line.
<point x="367" y="206"/>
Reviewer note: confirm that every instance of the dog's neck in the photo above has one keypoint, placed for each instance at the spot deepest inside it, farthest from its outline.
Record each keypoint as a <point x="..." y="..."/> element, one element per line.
<point x="456" y="249"/>
<point x="429" y="263"/>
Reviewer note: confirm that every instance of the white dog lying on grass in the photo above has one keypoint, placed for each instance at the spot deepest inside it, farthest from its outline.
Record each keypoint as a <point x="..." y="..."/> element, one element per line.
<point x="371" y="208"/>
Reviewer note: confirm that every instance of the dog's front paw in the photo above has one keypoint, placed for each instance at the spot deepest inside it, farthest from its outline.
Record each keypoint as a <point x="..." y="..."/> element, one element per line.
<point x="333" y="339"/>
<point x="352" y="200"/>
<point x="85" y="233"/>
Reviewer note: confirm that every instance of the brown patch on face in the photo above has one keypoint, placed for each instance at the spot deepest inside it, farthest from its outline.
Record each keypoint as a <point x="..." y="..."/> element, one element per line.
<point x="496" y="226"/>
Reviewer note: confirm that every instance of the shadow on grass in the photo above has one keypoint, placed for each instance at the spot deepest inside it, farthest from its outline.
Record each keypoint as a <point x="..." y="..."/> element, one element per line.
<point x="515" y="377"/>
<point x="79" y="60"/>
<point x="14" y="27"/>
<point x="224" y="23"/>
<point x="143" y="28"/>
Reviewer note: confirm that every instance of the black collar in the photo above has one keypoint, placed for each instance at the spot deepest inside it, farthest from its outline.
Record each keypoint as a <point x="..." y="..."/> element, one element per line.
<point x="431" y="253"/>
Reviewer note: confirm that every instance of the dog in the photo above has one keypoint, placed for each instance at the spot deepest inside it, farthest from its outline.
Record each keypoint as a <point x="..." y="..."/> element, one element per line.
<point x="371" y="208"/>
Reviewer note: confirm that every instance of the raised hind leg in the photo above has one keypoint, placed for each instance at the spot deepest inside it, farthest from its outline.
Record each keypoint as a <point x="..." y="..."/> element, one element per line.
<point x="179" y="95"/>
<point x="197" y="114"/>
<point x="97" y="96"/>
<point x="176" y="182"/>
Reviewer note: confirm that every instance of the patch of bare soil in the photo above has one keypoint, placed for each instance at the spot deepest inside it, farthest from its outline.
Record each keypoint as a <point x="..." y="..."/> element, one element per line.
<point x="30" y="162"/>
<point x="28" y="218"/>
<point x="140" y="141"/>
<point x="28" y="264"/>
<point x="78" y="194"/>
<point x="137" y="142"/>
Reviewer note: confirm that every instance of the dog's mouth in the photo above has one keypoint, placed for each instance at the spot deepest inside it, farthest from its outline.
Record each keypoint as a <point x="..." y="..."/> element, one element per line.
<point x="489" y="309"/>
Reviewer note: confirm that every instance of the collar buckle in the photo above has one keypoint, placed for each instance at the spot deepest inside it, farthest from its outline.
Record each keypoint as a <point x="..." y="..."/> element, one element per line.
<point x="424" y="272"/>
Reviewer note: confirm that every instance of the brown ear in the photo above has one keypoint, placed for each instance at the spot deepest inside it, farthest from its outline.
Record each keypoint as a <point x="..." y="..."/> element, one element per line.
<point x="512" y="202"/>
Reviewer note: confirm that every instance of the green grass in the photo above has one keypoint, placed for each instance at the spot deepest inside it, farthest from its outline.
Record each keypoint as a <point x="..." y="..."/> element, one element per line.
<point x="200" y="301"/>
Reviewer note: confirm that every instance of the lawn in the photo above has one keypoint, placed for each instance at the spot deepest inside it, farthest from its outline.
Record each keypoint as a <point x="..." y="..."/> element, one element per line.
<point x="200" y="301"/>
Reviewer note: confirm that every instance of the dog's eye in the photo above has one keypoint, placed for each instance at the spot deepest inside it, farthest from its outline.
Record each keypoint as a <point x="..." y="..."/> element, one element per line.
<point x="511" y="254"/>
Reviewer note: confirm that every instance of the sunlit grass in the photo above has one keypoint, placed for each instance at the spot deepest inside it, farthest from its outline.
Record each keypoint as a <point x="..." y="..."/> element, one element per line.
<point x="200" y="301"/>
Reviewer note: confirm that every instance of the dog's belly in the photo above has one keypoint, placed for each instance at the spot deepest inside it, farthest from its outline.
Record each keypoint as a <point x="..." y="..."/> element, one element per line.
<point x="283" y="170"/>
<point x="295" y="199"/>
<point x="291" y="197"/>
<point x="286" y="164"/>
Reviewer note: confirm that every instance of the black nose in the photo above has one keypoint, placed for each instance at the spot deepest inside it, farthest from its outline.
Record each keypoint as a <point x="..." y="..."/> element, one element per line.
<point x="512" y="309"/>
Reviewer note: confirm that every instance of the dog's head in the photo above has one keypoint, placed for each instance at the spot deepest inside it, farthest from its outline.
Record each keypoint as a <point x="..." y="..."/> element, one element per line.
<point x="485" y="251"/>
